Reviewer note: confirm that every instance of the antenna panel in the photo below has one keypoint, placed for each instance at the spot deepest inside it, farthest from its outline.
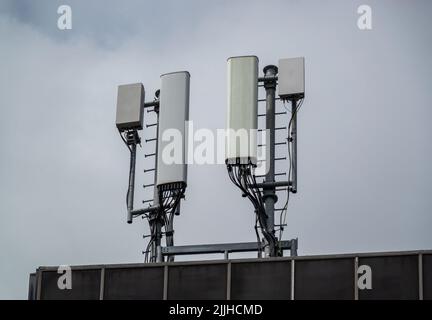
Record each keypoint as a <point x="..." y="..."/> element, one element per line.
<point x="291" y="78"/>
<point x="172" y="139"/>
<point x="242" y="110"/>
<point x="130" y="104"/>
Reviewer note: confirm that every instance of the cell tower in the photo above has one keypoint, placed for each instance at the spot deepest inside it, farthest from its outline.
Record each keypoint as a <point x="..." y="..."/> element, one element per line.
<point x="171" y="105"/>
<point x="243" y="83"/>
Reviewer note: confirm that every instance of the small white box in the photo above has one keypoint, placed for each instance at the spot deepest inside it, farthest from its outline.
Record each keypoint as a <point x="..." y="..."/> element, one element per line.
<point x="291" y="78"/>
<point x="130" y="105"/>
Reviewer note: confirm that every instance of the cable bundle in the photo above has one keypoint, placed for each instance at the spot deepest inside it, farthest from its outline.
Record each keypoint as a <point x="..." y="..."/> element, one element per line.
<point x="169" y="198"/>
<point x="283" y="215"/>
<point x="242" y="175"/>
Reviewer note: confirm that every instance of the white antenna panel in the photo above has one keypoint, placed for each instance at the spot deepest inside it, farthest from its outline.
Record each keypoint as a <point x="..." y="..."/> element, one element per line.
<point x="173" y="114"/>
<point x="291" y="78"/>
<point x="241" y="145"/>
<point x="130" y="104"/>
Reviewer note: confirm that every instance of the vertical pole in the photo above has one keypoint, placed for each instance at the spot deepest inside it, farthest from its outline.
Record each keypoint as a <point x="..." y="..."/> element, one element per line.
<point x="292" y="279"/>
<point x="294" y="145"/>
<point x="102" y="284"/>
<point x="38" y="284"/>
<point x="293" y="249"/>
<point x="130" y="194"/>
<point x="420" y="275"/>
<point x="356" y="291"/>
<point x="269" y="193"/>
<point x="157" y="244"/>
<point x="156" y="249"/>
<point x="228" y="293"/>
<point x="169" y="229"/>
<point x="165" y="283"/>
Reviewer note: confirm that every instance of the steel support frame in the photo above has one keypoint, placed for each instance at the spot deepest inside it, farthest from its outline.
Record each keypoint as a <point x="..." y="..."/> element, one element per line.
<point x="225" y="248"/>
<point x="152" y="211"/>
<point x="269" y="191"/>
<point x="269" y="185"/>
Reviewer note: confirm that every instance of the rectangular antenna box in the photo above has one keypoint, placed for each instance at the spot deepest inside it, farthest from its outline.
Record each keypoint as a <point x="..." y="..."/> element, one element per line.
<point x="173" y="115"/>
<point x="242" y="109"/>
<point x="130" y="106"/>
<point x="291" y="78"/>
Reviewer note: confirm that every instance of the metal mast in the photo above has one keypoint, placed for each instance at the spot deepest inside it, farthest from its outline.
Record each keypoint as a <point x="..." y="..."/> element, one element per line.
<point x="269" y="192"/>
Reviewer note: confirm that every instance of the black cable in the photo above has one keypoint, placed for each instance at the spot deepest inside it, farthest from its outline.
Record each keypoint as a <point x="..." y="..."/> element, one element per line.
<point x="257" y="234"/>
<point x="242" y="176"/>
<point x="262" y="215"/>
<point x="235" y="176"/>
<point x="283" y="214"/>
<point x="124" y="140"/>
<point x="168" y="202"/>
<point x="130" y="150"/>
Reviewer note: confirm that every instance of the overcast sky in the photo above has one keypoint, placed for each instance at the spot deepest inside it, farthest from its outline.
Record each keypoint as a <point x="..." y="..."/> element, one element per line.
<point x="365" y="150"/>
